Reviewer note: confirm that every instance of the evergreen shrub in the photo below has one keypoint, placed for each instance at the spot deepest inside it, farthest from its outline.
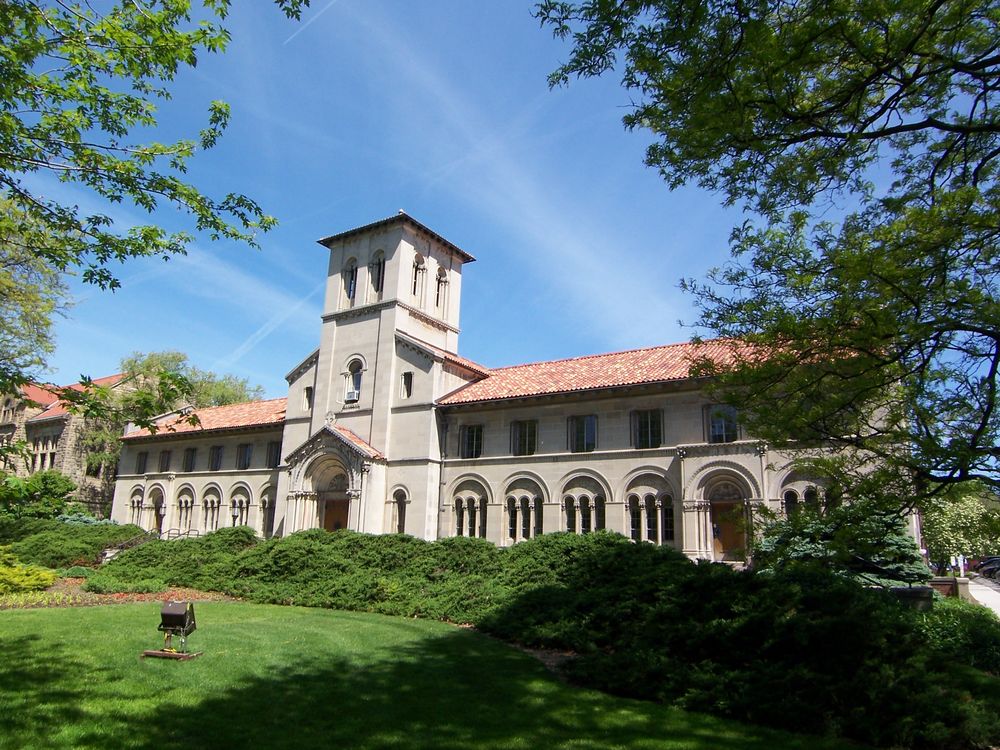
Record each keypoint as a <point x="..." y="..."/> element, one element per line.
<point x="16" y="577"/>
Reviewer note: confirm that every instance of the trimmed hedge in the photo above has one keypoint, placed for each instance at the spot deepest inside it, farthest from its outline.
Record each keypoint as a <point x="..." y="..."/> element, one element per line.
<point x="800" y="649"/>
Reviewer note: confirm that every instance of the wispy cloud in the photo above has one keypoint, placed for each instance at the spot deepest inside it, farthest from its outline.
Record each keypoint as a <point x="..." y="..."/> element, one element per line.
<point x="276" y="321"/>
<point x="311" y="21"/>
<point x="570" y="247"/>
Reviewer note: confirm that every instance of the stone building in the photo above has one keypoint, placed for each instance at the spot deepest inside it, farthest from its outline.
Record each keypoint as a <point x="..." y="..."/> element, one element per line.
<point x="386" y="428"/>
<point x="39" y="419"/>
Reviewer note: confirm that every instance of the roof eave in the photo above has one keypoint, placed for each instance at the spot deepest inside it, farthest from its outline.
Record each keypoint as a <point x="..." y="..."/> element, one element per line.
<point x="401" y="217"/>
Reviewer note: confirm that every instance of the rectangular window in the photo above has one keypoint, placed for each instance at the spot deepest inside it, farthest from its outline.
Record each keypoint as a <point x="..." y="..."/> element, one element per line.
<point x="215" y="458"/>
<point x="273" y="454"/>
<point x="164" y="461"/>
<point x="523" y="437"/>
<point x="722" y="424"/>
<point x="582" y="433"/>
<point x="647" y="428"/>
<point x="140" y="462"/>
<point x="307" y="398"/>
<point x="470" y="439"/>
<point x="244" y="454"/>
<point x="406" y="387"/>
<point x="190" y="456"/>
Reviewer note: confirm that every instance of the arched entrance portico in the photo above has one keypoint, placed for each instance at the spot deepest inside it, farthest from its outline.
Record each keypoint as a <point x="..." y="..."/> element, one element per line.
<point x="334" y="504"/>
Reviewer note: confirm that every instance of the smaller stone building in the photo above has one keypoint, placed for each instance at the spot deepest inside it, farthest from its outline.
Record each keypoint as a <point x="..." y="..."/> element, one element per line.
<point x="52" y="434"/>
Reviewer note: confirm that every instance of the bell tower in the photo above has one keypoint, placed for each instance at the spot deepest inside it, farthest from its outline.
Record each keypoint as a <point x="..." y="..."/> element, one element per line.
<point x="394" y="276"/>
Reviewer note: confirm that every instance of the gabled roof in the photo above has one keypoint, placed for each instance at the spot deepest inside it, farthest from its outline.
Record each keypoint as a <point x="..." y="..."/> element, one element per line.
<point x="357" y="443"/>
<point x="401" y="218"/>
<point x="219" y="418"/>
<point x="55" y="407"/>
<point x="658" y="364"/>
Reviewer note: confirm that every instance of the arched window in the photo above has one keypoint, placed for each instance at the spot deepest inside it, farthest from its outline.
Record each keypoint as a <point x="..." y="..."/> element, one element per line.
<point x="790" y="501"/>
<point x="811" y="499"/>
<point x="211" y="502"/>
<point x="417" y="279"/>
<point x="351" y="280"/>
<point x="441" y="289"/>
<point x="652" y="532"/>
<point x="635" y="518"/>
<point x="470" y="516"/>
<point x="585" y="517"/>
<point x="353" y="390"/>
<point x="667" y="521"/>
<point x="239" y="507"/>
<point x="650" y="510"/>
<point x="399" y="511"/>
<point x="570" y="515"/>
<point x="185" y="507"/>
<point x="135" y="506"/>
<point x="512" y="518"/>
<point x="376" y="271"/>
<point x="267" y="507"/>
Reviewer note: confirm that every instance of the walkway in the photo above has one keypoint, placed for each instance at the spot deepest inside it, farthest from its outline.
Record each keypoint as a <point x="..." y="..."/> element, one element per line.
<point x="986" y="592"/>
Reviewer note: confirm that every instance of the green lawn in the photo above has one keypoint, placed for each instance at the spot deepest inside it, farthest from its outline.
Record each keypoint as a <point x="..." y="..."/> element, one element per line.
<point x="283" y="677"/>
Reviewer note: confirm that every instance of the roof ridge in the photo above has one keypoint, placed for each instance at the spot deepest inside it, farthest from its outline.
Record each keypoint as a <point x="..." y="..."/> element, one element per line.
<point x="609" y="354"/>
<point x="240" y="403"/>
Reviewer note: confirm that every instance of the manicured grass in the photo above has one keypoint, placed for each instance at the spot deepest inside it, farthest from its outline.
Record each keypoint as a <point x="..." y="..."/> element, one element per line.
<point x="284" y="677"/>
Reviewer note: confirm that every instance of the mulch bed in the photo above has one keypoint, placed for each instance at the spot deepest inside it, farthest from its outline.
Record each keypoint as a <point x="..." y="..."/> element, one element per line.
<point x="68" y="592"/>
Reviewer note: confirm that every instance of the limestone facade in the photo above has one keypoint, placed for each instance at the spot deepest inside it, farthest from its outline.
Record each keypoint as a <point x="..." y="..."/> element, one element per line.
<point x="386" y="429"/>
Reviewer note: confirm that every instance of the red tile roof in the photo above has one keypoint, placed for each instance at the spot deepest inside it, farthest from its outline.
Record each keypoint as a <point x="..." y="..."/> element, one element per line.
<point x="55" y="406"/>
<point x="358" y="443"/>
<point x="38" y="394"/>
<point x="639" y="366"/>
<point x="215" y="418"/>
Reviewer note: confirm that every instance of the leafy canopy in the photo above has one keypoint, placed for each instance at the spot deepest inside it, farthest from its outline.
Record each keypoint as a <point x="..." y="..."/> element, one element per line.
<point x="863" y="138"/>
<point x="75" y="84"/>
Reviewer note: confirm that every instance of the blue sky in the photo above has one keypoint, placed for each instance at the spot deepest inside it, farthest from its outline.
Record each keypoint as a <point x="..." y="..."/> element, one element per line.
<point x="440" y="108"/>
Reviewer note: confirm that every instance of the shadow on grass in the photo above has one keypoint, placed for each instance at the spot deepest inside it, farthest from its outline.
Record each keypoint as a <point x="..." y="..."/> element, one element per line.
<point x="457" y="691"/>
<point x="34" y="692"/>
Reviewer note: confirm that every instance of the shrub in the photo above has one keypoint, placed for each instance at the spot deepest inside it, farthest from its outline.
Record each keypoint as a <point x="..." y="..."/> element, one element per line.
<point x="963" y="632"/>
<point x="801" y="647"/>
<point x="77" y="571"/>
<point x="101" y="583"/>
<point x="15" y="577"/>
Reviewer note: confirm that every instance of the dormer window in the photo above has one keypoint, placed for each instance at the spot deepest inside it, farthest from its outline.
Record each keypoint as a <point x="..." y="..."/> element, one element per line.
<point x="351" y="280"/>
<point x="354" y="372"/>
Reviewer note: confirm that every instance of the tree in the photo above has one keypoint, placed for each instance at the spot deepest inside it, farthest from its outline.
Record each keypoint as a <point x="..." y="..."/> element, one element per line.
<point x="863" y="139"/>
<point x="76" y="84"/>
<point x="965" y="521"/>
<point x="42" y="495"/>
<point x="155" y="383"/>
<point x="207" y="388"/>
<point x="31" y="292"/>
